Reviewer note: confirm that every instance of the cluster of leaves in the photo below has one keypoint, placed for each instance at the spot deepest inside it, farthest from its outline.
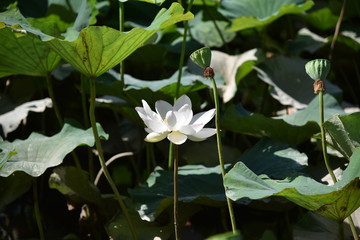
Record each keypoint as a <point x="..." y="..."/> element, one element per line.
<point x="269" y="120"/>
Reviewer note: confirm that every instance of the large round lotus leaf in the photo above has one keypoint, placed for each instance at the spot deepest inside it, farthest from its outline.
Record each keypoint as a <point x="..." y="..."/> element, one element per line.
<point x="334" y="202"/>
<point x="255" y="13"/>
<point x="25" y="55"/>
<point x="96" y="49"/>
<point x="38" y="152"/>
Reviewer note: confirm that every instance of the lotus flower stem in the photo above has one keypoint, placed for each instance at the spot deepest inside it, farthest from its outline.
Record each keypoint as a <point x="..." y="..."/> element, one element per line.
<point x="328" y="167"/>
<point x="220" y="153"/>
<point x="171" y="156"/>
<point x="37" y="210"/>
<point x="102" y="159"/>
<point x="176" y="202"/>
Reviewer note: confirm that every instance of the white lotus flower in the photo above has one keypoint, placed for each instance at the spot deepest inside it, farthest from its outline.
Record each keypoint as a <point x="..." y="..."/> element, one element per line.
<point x="177" y="122"/>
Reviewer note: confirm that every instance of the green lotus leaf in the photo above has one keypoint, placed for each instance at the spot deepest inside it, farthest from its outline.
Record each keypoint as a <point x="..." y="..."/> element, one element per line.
<point x="97" y="49"/>
<point x="291" y="85"/>
<point x="258" y="125"/>
<point x="39" y="152"/>
<point x="24" y="54"/>
<point x="117" y="228"/>
<point x="75" y="184"/>
<point x="226" y="236"/>
<point x="273" y="158"/>
<point x="157" y="2"/>
<point x="306" y="41"/>
<point x="311" y="112"/>
<point x="323" y="19"/>
<point x="315" y="227"/>
<point x="256" y="13"/>
<point x="157" y="195"/>
<point x="108" y="83"/>
<point x="334" y="202"/>
<point x="203" y="31"/>
<point x="344" y="132"/>
<point x="13" y="17"/>
<point x="5" y="156"/>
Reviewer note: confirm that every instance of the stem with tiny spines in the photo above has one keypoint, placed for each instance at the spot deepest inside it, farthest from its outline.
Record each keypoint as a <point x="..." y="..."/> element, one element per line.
<point x="220" y="153"/>
<point x="102" y="159"/>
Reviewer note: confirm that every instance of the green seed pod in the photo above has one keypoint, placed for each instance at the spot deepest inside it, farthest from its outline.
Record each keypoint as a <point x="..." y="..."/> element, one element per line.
<point x="318" y="69"/>
<point x="202" y="57"/>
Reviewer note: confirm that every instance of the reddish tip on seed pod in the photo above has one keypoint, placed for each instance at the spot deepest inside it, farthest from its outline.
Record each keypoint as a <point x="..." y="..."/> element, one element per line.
<point x="209" y="72"/>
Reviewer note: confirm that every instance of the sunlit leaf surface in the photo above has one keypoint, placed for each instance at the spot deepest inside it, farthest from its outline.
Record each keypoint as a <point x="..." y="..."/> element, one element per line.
<point x="99" y="48"/>
<point x="24" y="54"/>
<point x="335" y="202"/>
<point x="255" y="13"/>
<point x="39" y="152"/>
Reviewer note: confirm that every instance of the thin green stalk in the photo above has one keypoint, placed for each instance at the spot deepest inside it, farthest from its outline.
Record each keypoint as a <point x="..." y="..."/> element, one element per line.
<point x="353" y="228"/>
<point x="52" y="96"/>
<point x="181" y="64"/>
<point x="176" y="203"/>
<point x="326" y="160"/>
<point x="121" y="28"/>
<point x="102" y="159"/>
<point x="87" y="125"/>
<point x="216" y="26"/>
<point x="171" y="156"/>
<point x="323" y="139"/>
<point x="220" y="152"/>
<point x="183" y="49"/>
<point x="84" y="101"/>
<point x="58" y="115"/>
<point x="341" y="230"/>
<point x="37" y="210"/>
<point x="337" y="29"/>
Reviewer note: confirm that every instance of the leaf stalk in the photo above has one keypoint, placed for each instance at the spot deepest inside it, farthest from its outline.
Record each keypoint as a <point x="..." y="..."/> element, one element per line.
<point x="102" y="159"/>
